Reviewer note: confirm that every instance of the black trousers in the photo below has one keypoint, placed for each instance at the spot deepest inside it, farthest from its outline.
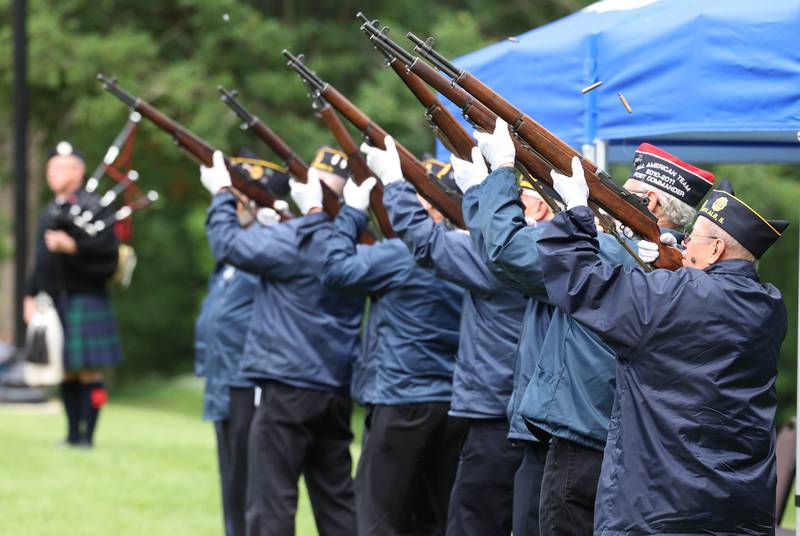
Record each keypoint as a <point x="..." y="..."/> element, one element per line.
<point x="483" y="493"/>
<point x="407" y="469"/>
<point x="222" y="431"/>
<point x="242" y="408"/>
<point x="528" y="487"/>
<point x="300" y="431"/>
<point x="569" y="487"/>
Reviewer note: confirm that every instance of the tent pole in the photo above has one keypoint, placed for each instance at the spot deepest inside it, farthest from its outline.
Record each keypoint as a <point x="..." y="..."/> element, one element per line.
<point x="797" y="436"/>
<point x="601" y="154"/>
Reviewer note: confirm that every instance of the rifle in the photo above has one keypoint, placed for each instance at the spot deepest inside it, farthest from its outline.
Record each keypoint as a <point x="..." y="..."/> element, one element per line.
<point x="297" y="167"/>
<point x="617" y="202"/>
<point x="358" y="163"/>
<point x="195" y="146"/>
<point x="413" y="170"/>
<point x="415" y="73"/>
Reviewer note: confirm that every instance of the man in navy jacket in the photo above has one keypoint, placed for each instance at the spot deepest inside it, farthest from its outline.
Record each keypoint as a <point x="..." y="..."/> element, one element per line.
<point x="408" y="462"/>
<point x="299" y="349"/>
<point x="691" y="448"/>
<point x="490" y="326"/>
<point x="567" y="406"/>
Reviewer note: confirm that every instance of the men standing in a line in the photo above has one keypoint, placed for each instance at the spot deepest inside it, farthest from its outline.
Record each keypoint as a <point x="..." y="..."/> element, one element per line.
<point x="491" y="323"/>
<point x="73" y="268"/>
<point x="691" y="448"/>
<point x="299" y="349"/>
<point x="408" y="464"/>
<point x="568" y="407"/>
<point x="220" y="331"/>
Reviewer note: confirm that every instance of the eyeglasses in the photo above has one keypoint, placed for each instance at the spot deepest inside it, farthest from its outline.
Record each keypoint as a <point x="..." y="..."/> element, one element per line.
<point x="688" y="238"/>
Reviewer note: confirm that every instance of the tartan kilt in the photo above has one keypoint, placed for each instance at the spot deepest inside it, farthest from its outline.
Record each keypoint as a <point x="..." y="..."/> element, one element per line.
<point x="91" y="339"/>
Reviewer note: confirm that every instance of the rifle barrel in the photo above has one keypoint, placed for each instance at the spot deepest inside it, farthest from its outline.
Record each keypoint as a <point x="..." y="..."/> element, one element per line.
<point x="558" y="155"/>
<point x="413" y="170"/>
<point x="427" y="50"/>
<point x="193" y="144"/>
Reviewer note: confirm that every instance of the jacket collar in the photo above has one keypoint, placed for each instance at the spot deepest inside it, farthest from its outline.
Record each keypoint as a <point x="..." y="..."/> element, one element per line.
<point x="734" y="267"/>
<point x="310" y="223"/>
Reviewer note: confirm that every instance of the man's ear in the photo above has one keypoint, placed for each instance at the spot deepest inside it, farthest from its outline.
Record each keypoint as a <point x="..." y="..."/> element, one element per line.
<point x="541" y="210"/>
<point x="652" y="201"/>
<point x="717" y="252"/>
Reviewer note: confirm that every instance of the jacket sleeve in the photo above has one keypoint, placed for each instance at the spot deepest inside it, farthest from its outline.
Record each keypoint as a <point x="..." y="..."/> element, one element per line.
<point x="360" y="269"/>
<point x="620" y="303"/>
<point x="33" y="284"/>
<point x="449" y="253"/>
<point x="496" y="221"/>
<point x="270" y="251"/>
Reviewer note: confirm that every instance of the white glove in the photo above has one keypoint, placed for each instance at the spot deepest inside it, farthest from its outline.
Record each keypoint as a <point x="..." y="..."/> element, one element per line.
<point x="497" y="147"/>
<point x="385" y="164"/>
<point x="469" y="173"/>
<point x="573" y="190"/>
<point x="216" y="177"/>
<point x="267" y="216"/>
<point x="307" y="195"/>
<point x="357" y="196"/>
<point x="648" y="251"/>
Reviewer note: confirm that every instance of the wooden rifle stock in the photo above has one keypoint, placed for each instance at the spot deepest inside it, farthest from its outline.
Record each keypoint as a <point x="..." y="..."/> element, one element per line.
<point x="413" y="170"/>
<point x="415" y="71"/>
<point x="449" y="131"/>
<point x="620" y="204"/>
<point x="297" y="167"/>
<point x="194" y="145"/>
<point x="358" y="165"/>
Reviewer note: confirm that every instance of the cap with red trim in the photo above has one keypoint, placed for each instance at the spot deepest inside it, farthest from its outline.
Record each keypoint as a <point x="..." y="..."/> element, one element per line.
<point x="669" y="173"/>
<point x="747" y="226"/>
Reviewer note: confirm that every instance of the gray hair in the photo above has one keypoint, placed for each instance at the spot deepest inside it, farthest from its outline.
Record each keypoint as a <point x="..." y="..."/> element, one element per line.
<point x="676" y="211"/>
<point x="733" y="248"/>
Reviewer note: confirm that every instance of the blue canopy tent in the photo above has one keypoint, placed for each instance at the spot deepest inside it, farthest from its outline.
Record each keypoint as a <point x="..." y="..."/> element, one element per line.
<point x="713" y="81"/>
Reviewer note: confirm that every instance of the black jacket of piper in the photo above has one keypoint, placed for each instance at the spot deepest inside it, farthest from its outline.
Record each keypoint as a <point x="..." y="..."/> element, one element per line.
<point x="88" y="270"/>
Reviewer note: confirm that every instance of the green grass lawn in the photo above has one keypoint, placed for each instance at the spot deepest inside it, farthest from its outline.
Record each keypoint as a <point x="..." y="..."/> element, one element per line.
<point x="153" y="471"/>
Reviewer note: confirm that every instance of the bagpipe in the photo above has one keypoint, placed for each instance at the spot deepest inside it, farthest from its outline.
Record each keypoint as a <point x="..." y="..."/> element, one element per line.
<point x="94" y="212"/>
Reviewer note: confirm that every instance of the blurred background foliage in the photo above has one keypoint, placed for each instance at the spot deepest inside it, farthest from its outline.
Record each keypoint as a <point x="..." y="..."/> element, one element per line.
<point x="176" y="53"/>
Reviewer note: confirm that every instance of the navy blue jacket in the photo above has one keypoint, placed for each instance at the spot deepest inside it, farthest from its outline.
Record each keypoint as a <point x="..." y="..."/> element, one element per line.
<point x="572" y="402"/>
<point x="491" y="319"/>
<point x="301" y="333"/>
<point x="691" y="448"/>
<point x="220" y="333"/>
<point x="416" y="316"/>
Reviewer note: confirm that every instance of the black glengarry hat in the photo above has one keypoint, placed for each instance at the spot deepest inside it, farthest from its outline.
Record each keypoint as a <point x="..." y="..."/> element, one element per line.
<point x="747" y="226"/>
<point x="670" y="174"/>
<point x="64" y="148"/>
<point x="275" y="177"/>
<point x="332" y="160"/>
